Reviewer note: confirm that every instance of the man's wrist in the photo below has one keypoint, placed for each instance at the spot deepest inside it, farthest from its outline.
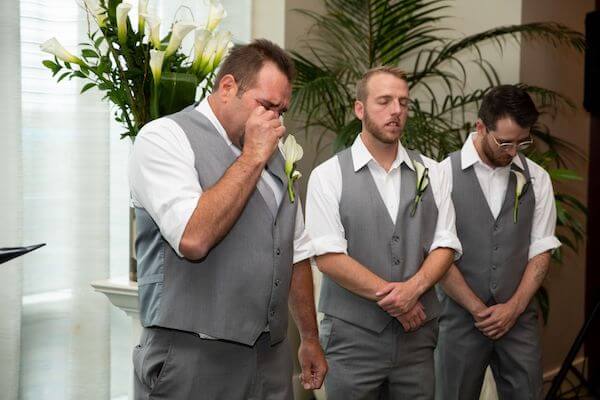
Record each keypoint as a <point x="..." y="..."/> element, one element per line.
<point x="251" y="161"/>
<point x="518" y="303"/>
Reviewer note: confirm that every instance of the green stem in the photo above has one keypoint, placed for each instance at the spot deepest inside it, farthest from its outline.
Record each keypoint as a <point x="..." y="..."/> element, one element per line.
<point x="516" y="209"/>
<point x="128" y="91"/>
<point x="291" y="190"/>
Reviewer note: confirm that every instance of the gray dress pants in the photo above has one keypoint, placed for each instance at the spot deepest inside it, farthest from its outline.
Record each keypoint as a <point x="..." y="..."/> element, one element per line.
<point x="463" y="354"/>
<point x="170" y="364"/>
<point x="367" y="365"/>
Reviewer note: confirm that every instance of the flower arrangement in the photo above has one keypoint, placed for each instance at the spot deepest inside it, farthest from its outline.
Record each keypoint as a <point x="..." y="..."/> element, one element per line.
<point x="143" y="75"/>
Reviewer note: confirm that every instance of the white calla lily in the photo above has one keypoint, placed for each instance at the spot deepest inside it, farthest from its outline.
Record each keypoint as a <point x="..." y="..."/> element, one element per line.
<point x="421" y="185"/>
<point x="223" y="44"/>
<point x="180" y="31"/>
<point x="142" y="11"/>
<point x="205" y="61"/>
<point x="96" y="11"/>
<point x="122" y="11"/>
<point x="201" y="39"/>
<point x="292" y="153"/>
<point x="215" y="15"/>
<point x="521" y="181"/>
<point x="152" y="22"/>
<point x="157" y="58"/>
<point x="520" y="186"/>
<point x="54" y="47"/>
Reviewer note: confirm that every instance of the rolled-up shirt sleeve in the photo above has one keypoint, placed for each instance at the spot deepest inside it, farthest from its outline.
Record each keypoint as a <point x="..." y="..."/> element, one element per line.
<point x="323" y="220"/>
<point x="445" y="230"/>
<point x="303" y="248"/>
<point x="162" y="178"/>
<point x="544" y="216"/>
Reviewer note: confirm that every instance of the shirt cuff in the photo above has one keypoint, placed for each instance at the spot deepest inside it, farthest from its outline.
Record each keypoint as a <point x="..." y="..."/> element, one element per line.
<point x="303" y="250"/>
<point x="329" y="244"/>
<point x="542" y="245"/>
<point x="449" y="240"/>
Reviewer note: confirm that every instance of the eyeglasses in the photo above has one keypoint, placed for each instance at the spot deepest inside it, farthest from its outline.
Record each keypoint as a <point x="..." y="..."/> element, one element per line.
<point x="510" y="145"/>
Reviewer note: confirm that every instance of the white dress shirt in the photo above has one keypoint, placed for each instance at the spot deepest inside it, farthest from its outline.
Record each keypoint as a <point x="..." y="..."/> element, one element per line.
<point x="323" y="220"/>
<point x="163" y="180"/>
<point x="494" y="182"/>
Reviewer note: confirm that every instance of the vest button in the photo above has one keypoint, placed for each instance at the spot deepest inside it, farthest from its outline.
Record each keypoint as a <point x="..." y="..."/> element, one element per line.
<point x="494" y="267"/>
<point x="496" y="227"/>
<point x="277" y="282"/>
<point x="494" y="286"/>
<point x="277" y="252"/>
<point x="396" y="261"/>
<point x="395" y="238"/>
<point x="272" y="313"/>
<point x="495" y="248"/>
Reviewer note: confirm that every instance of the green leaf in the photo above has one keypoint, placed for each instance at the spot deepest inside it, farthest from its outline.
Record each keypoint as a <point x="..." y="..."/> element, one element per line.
<point x="98" y="41"/>
<point x="177" y="91"/>
<point x="87" y="53"/>
<point x="63" y="76"/>
<point x="87" y="87"/>
<point x="563" y="174"/>
<point x="51" y="65"/>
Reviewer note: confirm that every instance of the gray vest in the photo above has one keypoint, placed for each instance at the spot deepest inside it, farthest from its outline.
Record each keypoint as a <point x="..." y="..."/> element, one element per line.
<point x="243" y="283"/>
<point x="495" y="251"/>
<point x="393" y="252"/>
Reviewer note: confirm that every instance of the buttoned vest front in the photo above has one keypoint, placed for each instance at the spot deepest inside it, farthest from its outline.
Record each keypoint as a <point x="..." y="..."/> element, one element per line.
<point x="393" y="252"/>
<point x="495" y="250"/>
<point x="242" y="285"/>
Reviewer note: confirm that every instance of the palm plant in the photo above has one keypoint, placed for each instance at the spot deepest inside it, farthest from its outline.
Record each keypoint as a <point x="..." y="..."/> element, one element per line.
<point x="352" y="36"/>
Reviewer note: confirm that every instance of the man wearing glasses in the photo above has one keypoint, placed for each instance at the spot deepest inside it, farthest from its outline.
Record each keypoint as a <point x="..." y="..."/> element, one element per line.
<point x="505" y="220"/>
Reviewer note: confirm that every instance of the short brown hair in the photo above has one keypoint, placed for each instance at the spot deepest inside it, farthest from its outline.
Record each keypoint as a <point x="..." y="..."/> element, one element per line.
<point x="245" y="61"/>
<point x="361" y="86"/>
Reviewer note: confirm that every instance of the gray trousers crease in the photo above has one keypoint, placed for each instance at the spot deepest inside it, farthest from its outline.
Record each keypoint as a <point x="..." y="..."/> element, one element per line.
<point x="367" y="365"/>
<point x="463" y="354"/>
<point x="170" y="364"/>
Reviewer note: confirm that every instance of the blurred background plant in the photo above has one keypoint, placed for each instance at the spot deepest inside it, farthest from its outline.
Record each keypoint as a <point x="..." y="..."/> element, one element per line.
<point x="352" y="36"/>
<point x="143" y="75"/>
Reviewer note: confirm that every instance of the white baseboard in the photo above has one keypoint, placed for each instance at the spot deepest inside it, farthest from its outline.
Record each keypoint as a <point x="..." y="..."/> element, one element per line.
<point x="549" y="375"/>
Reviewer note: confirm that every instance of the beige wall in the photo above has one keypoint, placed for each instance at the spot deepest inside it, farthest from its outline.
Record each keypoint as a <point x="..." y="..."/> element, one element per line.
<point x="562" y="71"/>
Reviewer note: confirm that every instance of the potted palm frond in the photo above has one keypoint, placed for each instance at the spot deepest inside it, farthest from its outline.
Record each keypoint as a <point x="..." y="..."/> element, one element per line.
<point x="351" y="36"/>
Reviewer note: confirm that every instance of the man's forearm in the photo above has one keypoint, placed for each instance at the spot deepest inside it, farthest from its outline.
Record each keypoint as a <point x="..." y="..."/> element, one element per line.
<point x="302" y="302"/>
<point x="432" y="270"/>
<point x="350" y="274"/>
<point x="532" y="279"/>
<point x="219" y="207"/>
<point x="456" y="287"/>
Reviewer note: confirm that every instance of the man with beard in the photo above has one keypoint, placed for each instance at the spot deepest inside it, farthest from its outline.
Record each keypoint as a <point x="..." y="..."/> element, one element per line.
<point x="220" y="244"/>
<point x="505" y="219"/>
<point x="382" y="224"/>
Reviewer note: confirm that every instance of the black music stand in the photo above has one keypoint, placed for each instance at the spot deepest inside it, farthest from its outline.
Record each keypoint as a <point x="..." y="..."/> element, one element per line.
<point x="8" y="253"/>
<point x="567" y="365"/>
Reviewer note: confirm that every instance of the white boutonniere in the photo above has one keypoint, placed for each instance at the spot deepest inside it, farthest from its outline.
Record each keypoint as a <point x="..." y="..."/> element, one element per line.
<point x="292" y="153"/>
<point x="422" y="183"/>
<point x="520" y="189"/>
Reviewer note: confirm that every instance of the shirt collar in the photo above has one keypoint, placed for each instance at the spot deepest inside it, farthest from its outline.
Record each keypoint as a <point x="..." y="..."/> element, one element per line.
<point x="361" y="155"/>
<point x="469" y="155"/>
<point x="205" y="109"/>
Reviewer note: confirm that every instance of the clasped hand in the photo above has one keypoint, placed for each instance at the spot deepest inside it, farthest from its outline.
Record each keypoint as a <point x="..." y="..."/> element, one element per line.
<point x="400" y="300"/>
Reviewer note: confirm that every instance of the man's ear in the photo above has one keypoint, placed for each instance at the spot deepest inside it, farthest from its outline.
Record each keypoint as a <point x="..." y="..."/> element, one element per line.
<point x="359" y="109"/>
<point x="480" y="126"/>
<point x="228" y="88"/>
